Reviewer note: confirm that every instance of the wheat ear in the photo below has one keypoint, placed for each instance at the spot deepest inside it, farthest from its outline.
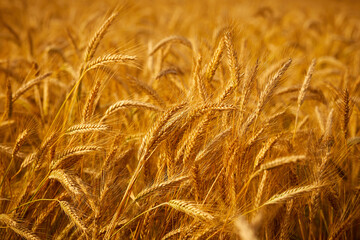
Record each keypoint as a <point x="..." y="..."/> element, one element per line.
<point x="18" y="228"/>
<point x="271" y="85"/>
<point x="265" y="96"/>
<point x="45" y="212"/>
<point x="260" y="190"/>
<point x="128" y="104"/>
<point x="71" y="212"/>
<point x="190" y="209"/>
<point x="302" y="92"/>
<point x="290" y="194"/>
<point x="345" y="110"/>
<point x="95" y="41"/>
<point x="173" y="233"/>
<point x="213" y="145"/>
<point x="194" y="140"/>
<point x="107" y="59"/>
<point x="45" y="145"/>
<point x="215" y="61"/>
<point x="196" y="180"/>
<point x="75" y="151"/>
<point x="66" y="181"/>
<point x="261" y="155"/>
<point x="205" y="108"/>
<point x="149" y="90"/>
<point x="248" y="85"/>
<point x="159" y="187"/>
<point x="281" y="161"/>
<point x="229" y="90"/>
<point x="232" y="58"/>
<point x="19" y="142"/>
<point x="284" y="230"/>
<point x="151" y="140"/>
<point x="84" y="128"/>
<point x="28" y="160"/>
<point x="25" y="87"/>
<point x="153" y="133"/>
<point x="343" y="226"/>
<point x="198" y="80"/>
<point x="89" y="105"/>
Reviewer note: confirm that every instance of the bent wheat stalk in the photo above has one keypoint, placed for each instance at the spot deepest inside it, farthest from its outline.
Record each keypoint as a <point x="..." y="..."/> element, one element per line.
<point x="171" y="39"/>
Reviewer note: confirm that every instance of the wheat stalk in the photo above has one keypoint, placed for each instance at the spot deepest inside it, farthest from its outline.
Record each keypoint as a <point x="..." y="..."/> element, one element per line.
<point x="9" y="101"/>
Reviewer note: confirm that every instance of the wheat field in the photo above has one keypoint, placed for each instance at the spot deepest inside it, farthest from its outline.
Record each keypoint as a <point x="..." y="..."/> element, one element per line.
<point x="179" y="119"/>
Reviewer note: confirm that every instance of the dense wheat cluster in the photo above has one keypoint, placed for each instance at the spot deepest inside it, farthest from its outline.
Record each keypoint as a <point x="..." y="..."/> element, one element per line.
<point x="179" y="120"/>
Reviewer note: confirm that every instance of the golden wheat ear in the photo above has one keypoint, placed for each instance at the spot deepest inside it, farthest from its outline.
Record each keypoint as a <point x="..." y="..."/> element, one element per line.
<point x="302" y="92"/>
<point x="215" y="61"/>
<point x="345" y="109"/>
<point x="25" y="87"/>
<point x="128" y="104"/>
<point x="148" y="90"/>
<point x="71" y="212"/>
<point x="66" y="181"/>
<point x="18" y="228"/>
<point x="232" y="58"/>
<point x="98" y="36"/>
<point x="190" y="209"/>
<point x="160" y="187"/>
<point x="292" y="193"/>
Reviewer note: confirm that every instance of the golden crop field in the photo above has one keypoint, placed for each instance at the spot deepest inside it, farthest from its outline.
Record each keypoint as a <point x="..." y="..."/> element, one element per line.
<point x="180" y="119"/>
